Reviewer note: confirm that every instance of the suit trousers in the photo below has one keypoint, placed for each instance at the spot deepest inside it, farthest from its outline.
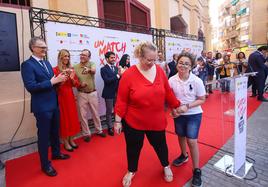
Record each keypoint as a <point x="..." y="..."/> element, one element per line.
<point x="48" y="134"/>
<point x="260" y="84"/>
<point x="89" y="102"/>
<point x="109" y="112"/>
<point x="252" y="82"/>
<point x="134" y="140"/>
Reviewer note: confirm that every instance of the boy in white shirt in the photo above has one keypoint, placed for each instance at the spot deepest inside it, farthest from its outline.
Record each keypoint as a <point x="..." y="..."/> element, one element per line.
<point x="190" y="90"/>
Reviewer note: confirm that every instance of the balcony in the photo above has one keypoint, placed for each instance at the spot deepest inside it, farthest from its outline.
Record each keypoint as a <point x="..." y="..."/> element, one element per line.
<point x="231" y="34"/>
<point x="233" y="10"/>
<point x="234" y="22"/>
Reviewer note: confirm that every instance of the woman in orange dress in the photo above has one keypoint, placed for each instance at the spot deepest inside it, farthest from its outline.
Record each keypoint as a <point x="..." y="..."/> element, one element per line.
<point x="69" y="122"/>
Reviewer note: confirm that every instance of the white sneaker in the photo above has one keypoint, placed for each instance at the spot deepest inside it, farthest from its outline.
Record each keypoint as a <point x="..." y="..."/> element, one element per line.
<point x="127" y="179"/>
<point x="168" y="174"/>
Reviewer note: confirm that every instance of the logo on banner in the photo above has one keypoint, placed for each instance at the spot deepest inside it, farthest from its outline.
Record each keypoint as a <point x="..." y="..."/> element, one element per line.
<point x="84" y="36"/>
<point x="62" y="41"/>
<point x="115" y="46"/>
<point x="241" y="106"/>
<point x="62" y="34"/>
<point x="134" y="40"/>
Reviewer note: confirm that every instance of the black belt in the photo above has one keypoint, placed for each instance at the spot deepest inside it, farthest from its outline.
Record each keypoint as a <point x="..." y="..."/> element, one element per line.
<point x="87" y="91"/>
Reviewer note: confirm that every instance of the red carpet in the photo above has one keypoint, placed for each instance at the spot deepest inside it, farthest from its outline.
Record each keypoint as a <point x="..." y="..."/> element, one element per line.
<point x="102" y="162"/>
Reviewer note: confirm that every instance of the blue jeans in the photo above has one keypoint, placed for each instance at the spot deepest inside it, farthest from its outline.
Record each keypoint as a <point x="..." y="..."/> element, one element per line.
<point x="188" y="125"/>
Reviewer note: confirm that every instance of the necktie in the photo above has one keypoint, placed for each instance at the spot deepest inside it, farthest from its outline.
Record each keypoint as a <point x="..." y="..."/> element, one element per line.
<point x="113" y="68"/>
<point x="44" y="65"/>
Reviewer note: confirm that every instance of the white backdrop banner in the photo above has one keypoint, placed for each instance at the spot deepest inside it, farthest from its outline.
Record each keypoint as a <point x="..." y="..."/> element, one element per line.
<point x="240" y="122"/>
<point x="75" y="38"/>
<point x="176" y="45"/>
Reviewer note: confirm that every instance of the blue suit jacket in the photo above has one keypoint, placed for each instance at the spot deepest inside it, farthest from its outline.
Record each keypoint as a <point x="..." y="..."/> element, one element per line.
<point x="110" y="82"/>
<point x="37" y="81"/>
<point x="173" y="69"/>
<point x="256" y="63"/>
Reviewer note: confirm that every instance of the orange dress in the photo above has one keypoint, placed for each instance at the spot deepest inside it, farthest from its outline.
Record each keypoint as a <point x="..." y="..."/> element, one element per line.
<point x="69" y="122"/>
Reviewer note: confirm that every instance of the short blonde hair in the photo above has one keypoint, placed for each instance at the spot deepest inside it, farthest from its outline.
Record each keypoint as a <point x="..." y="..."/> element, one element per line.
<point x="140" y="49"/>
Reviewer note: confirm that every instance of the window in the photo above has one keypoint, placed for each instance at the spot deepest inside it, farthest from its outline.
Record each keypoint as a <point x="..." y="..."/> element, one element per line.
<point x="114" y="10"/>
<point x="178" y="25"/>
<point x="16" y="2"/>
<point x="126" y="11"/>
<point x="138" y="16"/>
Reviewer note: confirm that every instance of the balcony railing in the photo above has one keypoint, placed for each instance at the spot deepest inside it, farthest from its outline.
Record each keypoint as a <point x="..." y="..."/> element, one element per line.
<point x="233" y="34"/>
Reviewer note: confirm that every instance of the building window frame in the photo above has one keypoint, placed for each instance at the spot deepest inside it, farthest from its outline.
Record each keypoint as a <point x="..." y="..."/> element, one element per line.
<point x="27" y="4"/>
<point x="128" y="3"/>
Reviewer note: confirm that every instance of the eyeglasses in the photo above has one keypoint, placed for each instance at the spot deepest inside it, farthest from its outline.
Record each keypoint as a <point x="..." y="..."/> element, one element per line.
<point x="84" y="55"/>
<point x="183" y="64"/>
<point x="41" y="47"/>
<point x="149" y="60"/>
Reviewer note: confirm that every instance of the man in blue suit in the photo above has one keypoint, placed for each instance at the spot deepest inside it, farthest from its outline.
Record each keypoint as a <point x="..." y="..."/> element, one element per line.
<point x="39" y="80"/>
<point x="256" y="63"/>
<point x="110" y="76"/>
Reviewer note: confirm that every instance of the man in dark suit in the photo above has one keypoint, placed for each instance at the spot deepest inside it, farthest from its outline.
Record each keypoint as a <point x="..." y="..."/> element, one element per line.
<point x="172" y="66"/>
<point x="110" y="76"/>
<point x="39" y="80"/>
<point x="256" y="62"/>
<point x="204" y="56"/>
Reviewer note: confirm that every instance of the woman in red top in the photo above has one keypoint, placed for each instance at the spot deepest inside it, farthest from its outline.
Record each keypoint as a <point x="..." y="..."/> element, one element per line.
<point x="69" y="122"/>
<point x="143" y="90"/>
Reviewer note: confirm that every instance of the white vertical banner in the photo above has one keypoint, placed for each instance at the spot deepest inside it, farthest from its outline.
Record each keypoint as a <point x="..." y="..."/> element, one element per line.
<point x="240" y="122"/>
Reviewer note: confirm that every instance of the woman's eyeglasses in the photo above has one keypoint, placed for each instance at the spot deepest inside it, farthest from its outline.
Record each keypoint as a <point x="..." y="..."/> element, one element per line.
<point x="150" y="60"/>
<point x="183" y="64"/>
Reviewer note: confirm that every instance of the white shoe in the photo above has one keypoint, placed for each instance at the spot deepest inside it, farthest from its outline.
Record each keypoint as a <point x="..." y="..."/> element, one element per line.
<point x="168" y="174"/>
<point x="127" y="179"/>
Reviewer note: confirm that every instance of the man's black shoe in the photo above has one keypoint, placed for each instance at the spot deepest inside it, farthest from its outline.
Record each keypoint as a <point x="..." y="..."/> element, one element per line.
<point x="197" y="181"/>
<point x="50" y="171"/>
<point x="61" y="157"/>
<point x="101" y="134"/>
<point x="263" y="99"/>
<point x="111" y="132"/>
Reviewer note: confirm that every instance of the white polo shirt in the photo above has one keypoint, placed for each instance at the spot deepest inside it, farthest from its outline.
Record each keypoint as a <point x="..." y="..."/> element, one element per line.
<point x="188" y="91"/>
